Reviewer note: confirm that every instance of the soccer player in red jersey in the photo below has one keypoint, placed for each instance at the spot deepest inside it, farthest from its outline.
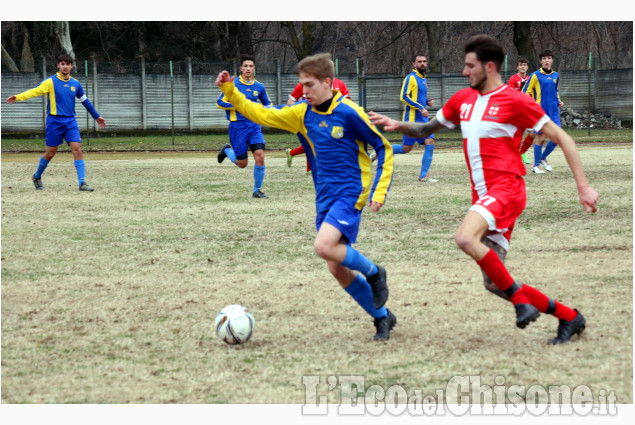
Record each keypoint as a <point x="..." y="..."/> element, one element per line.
<point x="296" y="96"/>
<point x="493" y="117"/>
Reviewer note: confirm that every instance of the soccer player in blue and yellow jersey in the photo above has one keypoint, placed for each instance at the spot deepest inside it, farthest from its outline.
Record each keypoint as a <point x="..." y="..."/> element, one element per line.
<point x="414" y="95"/>
<point x="543" y="86"/>
<point x="62" y="89"/>
<point x="335" y="133"/>
<point x="244" y="133"/>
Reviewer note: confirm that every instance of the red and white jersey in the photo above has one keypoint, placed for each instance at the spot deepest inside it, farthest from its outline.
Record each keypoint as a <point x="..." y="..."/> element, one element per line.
<point x="517" y="82"/>
<point x="338" y="85"/>
<point x="492" y="125"/>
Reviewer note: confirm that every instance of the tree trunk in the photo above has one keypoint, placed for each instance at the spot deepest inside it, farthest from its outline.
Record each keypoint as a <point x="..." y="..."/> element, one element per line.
<point x="431" y="31"/>
<point x="304" y="47"/>
<point x="27" y="64"/>
<point x="62" y="33"/>
<point x="524" y="44"/>
<point x="7" y="61"/>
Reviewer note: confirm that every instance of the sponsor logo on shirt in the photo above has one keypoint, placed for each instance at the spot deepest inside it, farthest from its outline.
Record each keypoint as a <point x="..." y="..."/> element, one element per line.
<point x="323" y="124"/>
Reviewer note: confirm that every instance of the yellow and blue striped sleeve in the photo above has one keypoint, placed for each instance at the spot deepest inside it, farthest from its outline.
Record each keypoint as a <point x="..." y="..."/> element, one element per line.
<point x="410" y="92"/>
<point x="288" y="118"/>
<point x="45" y="87"/>
<point x="369" y="134"/>
<point x="532" y="87"/>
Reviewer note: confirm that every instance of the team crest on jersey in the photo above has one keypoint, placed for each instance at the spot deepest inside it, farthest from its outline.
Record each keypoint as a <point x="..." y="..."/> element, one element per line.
<point x="72" y="88"/>
<point x="337" y="132"/>
<point x="256" y="93"/>
<point x="493" y="110"/>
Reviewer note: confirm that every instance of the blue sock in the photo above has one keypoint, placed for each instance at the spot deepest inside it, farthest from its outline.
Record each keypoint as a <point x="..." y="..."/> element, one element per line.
<point x="356" y="261"/>
<point x="361" y="292"/>
<point x="537" y="154"/>
<point x="426" y="161"/>
<point x="81" y="170"/>
<point x="259" y="176"/>
<point x="548" y="149"/>
<point x="230" y="154"/>
<point x="41" y="167"/>
<point x="397" y="149"/>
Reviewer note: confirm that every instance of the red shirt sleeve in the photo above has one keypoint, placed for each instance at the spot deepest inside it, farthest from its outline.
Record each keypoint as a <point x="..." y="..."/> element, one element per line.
<point x="297" y="92"/>
<point x="339" y="85"/>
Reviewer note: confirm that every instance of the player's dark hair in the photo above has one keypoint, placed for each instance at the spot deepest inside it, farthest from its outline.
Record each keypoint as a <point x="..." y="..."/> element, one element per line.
<point x="64" y="57"/>
<point x="544" y="53"/>
<point x="246" y="57"/>
<point x="487" y="49"/>
<point x="522" y="60"/>
<point x="319" y="66"/>
<point x="414" y="58"/>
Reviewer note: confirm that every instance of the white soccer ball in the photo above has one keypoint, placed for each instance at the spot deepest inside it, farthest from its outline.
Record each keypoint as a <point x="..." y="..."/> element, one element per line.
<point x="234" y="324"/>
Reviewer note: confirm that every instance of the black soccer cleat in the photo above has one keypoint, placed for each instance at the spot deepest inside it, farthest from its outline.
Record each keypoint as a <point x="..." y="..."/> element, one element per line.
<point x="384" y="325"/>
<point x="379" y="286"/>
<point x="85" y="188"/>
<point x="567" y="329"/>
<point x="259" y="194"/>
<point x="222" y="155"/>
<point x="37" y="183"/>
<point x="525" y="314"/>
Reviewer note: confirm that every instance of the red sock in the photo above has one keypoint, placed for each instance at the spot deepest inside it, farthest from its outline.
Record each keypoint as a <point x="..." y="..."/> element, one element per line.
<point x="496" y="271"/>
<point x="546" y="305"/>
<point x="297" y="151"/>
<point x="308" y="166"/>
<point x="526" y="144"/>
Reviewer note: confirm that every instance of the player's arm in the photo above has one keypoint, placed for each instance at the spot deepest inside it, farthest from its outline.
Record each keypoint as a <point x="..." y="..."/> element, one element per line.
<point x="588" y="196"/>
<point x="406" y="89"/>
<point x="223" y="103"/>
<point x="43" y="88"/>
<point x="297" y="93"/>
<point x="560" y="102"/>
<point x="264" y="97"/>
<point x="89" y="107"/>
<point x="531" y="87"/>
<point x="367" y="132"/>
<point x="416" y="130"/>
<point x="284" y="118"/>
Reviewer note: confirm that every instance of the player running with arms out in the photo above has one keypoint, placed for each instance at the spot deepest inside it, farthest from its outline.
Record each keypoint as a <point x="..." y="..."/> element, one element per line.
<point x="335" y="133"/>
<point x="61" y="124"/>
<point x="296" y="96"/>
<point x="492" y="117"/>
<point x="244" y="133"/>
<point x="517" y="82"/>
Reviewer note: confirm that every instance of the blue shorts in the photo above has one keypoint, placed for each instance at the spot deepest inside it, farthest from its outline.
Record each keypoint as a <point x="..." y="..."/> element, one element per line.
<point x="242" y="135"/>
<point x="59" y="129"/>
<point x="344" y="216"/>
<point x="409" y="141"/>
<point x="554" y="114"/>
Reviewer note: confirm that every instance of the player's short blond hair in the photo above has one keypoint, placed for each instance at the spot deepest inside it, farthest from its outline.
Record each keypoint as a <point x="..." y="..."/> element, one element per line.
<point x="319" y="66"/>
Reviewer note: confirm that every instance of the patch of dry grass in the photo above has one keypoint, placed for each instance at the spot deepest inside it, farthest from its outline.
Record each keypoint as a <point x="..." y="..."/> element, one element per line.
<point x="110" y="296"/>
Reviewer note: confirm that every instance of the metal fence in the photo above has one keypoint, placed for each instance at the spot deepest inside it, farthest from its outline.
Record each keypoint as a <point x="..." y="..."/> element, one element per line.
<point x="182" y="95"/>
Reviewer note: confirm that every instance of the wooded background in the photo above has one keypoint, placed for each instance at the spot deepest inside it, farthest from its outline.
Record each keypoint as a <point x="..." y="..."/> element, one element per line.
<point x="381" y="45"/>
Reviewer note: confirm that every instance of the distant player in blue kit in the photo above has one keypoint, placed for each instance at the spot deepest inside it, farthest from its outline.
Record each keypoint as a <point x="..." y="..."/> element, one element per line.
<point x="244" y="133"/>
<point x="543" y="86"/>
<point x="414" y="95"/>
<point x="62" y="89"/>
<point x="335" y="133"/>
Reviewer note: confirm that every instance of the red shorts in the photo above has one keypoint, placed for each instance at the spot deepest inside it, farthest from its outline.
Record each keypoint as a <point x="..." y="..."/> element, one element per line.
<point x="503" y="203"/>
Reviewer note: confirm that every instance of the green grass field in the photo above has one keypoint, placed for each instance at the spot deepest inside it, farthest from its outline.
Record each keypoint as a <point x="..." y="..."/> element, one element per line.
<point x="110" y="296"/>
<point x="276" y="140"/>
